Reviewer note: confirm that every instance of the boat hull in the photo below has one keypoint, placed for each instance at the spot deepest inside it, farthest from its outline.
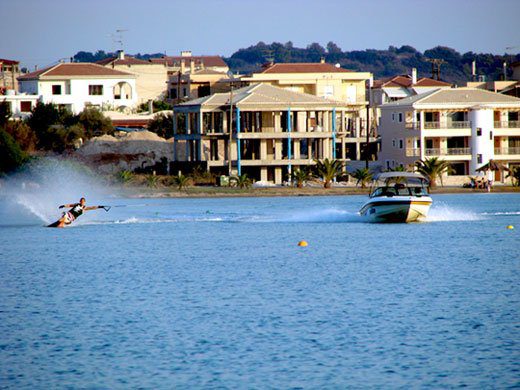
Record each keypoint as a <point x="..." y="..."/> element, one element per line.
<point x="396" y="209"/>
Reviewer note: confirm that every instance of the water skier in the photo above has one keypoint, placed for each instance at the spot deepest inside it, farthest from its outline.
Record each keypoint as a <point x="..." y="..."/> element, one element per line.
<point x="76" y="210"/>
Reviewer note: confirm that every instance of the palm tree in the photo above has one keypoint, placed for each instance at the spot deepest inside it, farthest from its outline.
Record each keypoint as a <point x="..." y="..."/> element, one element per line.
<point x="363" y="176"/>
<point x="242" y="181"/>
<point x="125" y="176"/>
<point x="432" y="168"/>
<point x="327" y="170"/>
<point x="514" y="174"/>
<point x="181" y="181"/>
<point x="300" y="176"/>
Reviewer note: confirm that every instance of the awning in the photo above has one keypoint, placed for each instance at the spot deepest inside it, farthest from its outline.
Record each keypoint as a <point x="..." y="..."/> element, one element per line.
<point x="396" y="92"/>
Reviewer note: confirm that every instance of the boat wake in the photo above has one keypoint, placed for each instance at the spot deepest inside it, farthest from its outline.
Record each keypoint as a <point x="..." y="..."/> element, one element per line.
<point x="445" y="213"/>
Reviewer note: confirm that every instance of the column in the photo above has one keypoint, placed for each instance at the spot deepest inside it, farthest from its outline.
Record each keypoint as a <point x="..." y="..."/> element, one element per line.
<point x="239" y="167"/>
<point x="334" y="133"/>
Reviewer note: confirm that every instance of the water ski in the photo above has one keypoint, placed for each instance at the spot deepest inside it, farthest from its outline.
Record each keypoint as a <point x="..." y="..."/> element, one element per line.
<point x="56" y="224"/>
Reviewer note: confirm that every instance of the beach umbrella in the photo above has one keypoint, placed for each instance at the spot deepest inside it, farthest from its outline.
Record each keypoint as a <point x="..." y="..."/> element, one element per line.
<point x="493" y="165"/>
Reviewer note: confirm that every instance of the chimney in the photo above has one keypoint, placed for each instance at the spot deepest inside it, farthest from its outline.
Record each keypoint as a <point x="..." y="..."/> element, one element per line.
<point x="150" y="106"/>
<point x="183" y="66"/>
<point x="322" y="60"/>
<point x="120" y="55"/>
<point x="192" y="66"/>
<point x="505" y="70"/>
<point x="474" y="68"/>
<point x="414" y="76"/>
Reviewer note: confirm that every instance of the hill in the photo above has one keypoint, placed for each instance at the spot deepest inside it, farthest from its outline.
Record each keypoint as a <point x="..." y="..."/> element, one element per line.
<point x="382" y="63"/>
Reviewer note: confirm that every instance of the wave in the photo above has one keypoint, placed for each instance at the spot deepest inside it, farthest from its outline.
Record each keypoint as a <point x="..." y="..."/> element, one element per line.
<point x="444" y="213"/>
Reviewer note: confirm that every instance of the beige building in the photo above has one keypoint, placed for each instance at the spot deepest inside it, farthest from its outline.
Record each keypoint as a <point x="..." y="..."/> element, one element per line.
<point x="275" y="131"/>
<point x="196" y="84"/>
<point x="465" y="126"/>
<point x="330" y="82"/>
<point x="9" y="72"/>
<point x="150" y="77"/>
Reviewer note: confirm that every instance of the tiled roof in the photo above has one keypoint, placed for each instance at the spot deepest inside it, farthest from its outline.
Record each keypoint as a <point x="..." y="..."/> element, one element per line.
<point x="208" y="61"/>
<point x="406" y="81"/>
<point x="71" y="69"/>
<point x="262" y="94"/>
<point x="128" y="60"/>
<point x="8" y="62"/>
<point x="463" y="97"/>
<point x="303" y="67"/>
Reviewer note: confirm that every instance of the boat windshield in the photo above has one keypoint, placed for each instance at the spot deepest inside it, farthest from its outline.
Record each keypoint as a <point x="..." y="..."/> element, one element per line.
<point x="400" y="186"/>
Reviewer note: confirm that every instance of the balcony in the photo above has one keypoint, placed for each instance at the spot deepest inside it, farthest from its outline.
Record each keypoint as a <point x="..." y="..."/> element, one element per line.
<point x="447" y="152"/>
<point x="413" y="152"/>
<point x="507" y="124"/>
<point x="439" y="125"/>
<point x="508" y="151"/>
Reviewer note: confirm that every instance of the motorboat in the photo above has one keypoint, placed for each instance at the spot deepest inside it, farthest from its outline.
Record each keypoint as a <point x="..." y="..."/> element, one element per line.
<point x="397" y="197"/>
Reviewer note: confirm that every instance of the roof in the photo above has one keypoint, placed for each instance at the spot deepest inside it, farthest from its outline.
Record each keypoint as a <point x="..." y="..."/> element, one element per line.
<point x="406" y="82"/>
<point x="258" y="95"/>
<point x="462" y="97"/>
<point x="74" y="69"/>
<point x="388" y="175"/>
<point x="303" y="67"/>
<point x="8" y="62"/>
<point x="208" y="61"/>
<point x="128" y="60"/>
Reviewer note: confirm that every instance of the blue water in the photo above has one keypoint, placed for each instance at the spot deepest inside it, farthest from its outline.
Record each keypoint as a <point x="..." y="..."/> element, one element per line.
<point x="215" y="293"/>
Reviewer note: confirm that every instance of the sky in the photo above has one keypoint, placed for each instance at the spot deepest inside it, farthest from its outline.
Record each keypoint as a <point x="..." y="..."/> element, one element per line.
<point x="41" y="32"/>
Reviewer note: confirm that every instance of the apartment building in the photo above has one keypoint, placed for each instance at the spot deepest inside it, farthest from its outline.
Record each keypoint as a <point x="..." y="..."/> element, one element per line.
<point x="150" y="77"/>
<point x="274" y="131"/>
<point x="465" y="126"/>
<point x="9" y="71"/>
<point x="75" y="86"/>
<point x="330" y="82"/>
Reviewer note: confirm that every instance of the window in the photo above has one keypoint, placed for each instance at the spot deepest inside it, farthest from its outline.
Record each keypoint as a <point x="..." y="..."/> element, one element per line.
<point x="479" y="131"/>
<point x="479" y="159"/>
<point x="400" y="117"/>
<point x="387" y="164"/>
<point x="95" y="90"/>
<point x="393" y="116"/>
<point x="393" y="143"/>
<point x="491" y="136"/>
<point x="328" y="91"/>
<point x="401" y="144"/>
<point x="56" y="89"/>
<point x="25" y="106"/>
<point x="185" y="92"/>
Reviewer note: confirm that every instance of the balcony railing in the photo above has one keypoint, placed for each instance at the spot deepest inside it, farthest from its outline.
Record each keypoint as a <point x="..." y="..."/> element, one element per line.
<point x="447" y="125"/>
<point x="508" y="151"/>
<point x="415" y="152"/>
<point x="507" y="124"/>
<point x="447" y="152"/>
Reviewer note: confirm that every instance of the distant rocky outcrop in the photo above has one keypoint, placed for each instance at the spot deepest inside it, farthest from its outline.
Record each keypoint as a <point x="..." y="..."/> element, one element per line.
<point x="125" y="151"/>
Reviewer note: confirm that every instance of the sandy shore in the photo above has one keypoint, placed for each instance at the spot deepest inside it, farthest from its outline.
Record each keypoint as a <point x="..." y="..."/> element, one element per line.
<point x="209" y="192"/>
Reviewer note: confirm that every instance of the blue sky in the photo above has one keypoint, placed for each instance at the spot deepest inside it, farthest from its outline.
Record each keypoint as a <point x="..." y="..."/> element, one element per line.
<point x="40" y="32"/>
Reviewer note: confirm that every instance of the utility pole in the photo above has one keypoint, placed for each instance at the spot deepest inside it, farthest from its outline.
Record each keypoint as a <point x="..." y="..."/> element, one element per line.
<point x="436" y="67"/>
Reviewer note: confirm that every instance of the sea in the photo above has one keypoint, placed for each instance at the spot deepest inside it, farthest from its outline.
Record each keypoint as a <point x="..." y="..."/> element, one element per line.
<point x="216" y="293"/>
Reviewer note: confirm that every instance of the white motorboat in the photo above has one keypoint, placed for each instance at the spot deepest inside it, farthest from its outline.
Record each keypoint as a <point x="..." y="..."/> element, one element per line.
<point x="397" y="197"/>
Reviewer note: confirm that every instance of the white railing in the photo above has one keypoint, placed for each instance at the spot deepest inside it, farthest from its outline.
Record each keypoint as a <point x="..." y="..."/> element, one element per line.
<point x="508" y="151"/>
<point x="507" y="124"/>
<point x="447" y="152"/>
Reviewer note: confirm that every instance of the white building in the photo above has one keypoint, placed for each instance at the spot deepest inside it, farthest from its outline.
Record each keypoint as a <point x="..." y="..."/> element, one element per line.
<point x="20" y="104"/>
<point x="77" y="85"/>
<point x="465" y="126"/>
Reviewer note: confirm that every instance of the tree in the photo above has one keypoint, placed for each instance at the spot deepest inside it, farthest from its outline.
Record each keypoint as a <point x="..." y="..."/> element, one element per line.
<point x="514" y="174"/>
<point x="162" y="125"/>
<point x="23" y="135"/>
<point x="11" y="155"/>
<point x="242" y="181"/>
<point x="181" y="181"/>
<point x="300" y="176"/>
<point x="328" y="170"/>
<point x="363" y="176"/>
<point x="94" y="122"/>
<point x="432" y="168"/>
<point x="46" y="120"/>
<point x="5" y="113"/>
